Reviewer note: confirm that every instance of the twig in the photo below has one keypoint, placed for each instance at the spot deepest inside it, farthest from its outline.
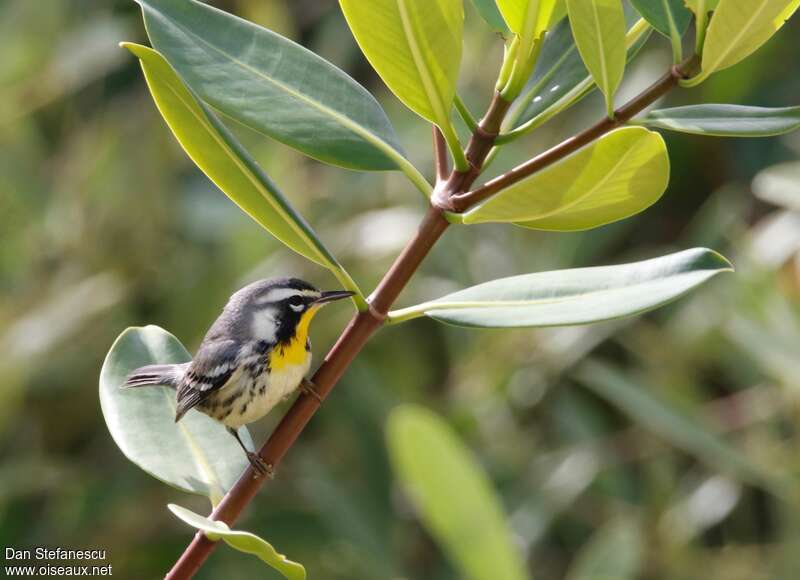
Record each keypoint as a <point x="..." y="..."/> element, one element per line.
<point x="449" y="196"/>
<point x="464" y="201"/>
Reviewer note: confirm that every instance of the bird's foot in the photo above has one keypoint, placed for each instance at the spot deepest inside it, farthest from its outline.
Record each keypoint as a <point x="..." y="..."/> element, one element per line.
<point x="261" y="467"/>
<point x="308" y="388"/>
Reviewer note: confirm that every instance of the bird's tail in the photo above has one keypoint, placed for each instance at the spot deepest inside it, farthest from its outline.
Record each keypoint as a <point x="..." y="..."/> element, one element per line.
<point x="167" y="375"/>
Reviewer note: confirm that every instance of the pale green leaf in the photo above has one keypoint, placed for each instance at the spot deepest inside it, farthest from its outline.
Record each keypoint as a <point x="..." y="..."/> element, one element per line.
<point x="242" y="541"/>
<point x="223" y="159"/>
<point x="620" y="174"/>
<point x="491" y="14"/>
<point x="577" y="296"/>
<point x="453" y="497"/>
<point x="654" y="413"/>
<point x="614" y="552"/>
<point x="529" y="18"/>
<point x="197" y="454"/>
<point x="664" y="14"/>
<point x="738" y="29"/>
<point x="599" y="30"/>
<point x="725" y="120"/>
<point x="272" y="85"/>
<point x="415" y="46"/>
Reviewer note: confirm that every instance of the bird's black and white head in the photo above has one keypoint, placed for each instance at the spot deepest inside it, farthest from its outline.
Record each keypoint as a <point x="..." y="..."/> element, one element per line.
<point x="278" y="309"/>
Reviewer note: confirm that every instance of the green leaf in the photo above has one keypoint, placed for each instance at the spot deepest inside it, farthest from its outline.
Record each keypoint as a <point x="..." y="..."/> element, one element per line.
<point x="560" y="78"/>
<point x="242" y="541"/>
<point x="599" y="30"/>
<point x="615" y="552"/>
<point x="197" y="454"/>
<point x="577" y="296"/>
<point x="415" y="46"/>
<point x="273" y="85"/>
<point x="664" y="14"/>
<point x="491" y="14"/>
<point x="529" y="18"/>
<point x="738" y="29"/>
<point x="655" y="414"/>
<point x="223" y="159"/>
<point x="619" y="175"/>
<point x="725" y="120"/>
<point x="452" y="494"/>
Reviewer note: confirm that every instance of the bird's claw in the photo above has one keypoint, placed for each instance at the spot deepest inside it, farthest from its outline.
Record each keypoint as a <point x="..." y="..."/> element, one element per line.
<point x="308" y="388"/>
<point x="261" y="467"/>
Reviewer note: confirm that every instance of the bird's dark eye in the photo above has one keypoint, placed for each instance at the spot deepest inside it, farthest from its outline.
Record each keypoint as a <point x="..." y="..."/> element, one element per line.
<point x="295" y="301"/>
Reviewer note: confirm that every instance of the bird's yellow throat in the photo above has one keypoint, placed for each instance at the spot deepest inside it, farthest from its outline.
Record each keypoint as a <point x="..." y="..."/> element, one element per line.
<point x="294" y="352"/>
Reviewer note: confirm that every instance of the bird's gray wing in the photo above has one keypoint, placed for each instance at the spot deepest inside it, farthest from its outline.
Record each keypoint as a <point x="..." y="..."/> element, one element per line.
<point x="211" y="368"/>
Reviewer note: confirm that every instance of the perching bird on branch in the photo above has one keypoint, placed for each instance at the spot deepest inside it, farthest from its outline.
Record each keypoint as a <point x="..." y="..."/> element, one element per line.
<point x="255" y="355"/>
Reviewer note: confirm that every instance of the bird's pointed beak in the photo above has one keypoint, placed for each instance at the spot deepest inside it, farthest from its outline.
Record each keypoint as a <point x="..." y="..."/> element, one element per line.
<point x="332" y="295"/>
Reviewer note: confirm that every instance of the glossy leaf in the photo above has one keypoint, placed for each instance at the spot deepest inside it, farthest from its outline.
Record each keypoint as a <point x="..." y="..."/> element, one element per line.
<point x="272" y="85"/>
<point x="560" y="77"/>
<point x="738" y="29"/>
<point x="577" y="296"/>
<point x="196" y="454"/>
<point x="614" y="552"/>
<point x="491" y="14"/>
<point x="619" y="175"/>
<point x="223" y="159"/>
<point x="452" y="495"/>
<point x="599" y="30"/>
<point x="656" y="414"/>
<point x="415" y="46"/>
<point x="660" y="13"/>
<point x="242" y="541"/>
<point x="725" y="120"/>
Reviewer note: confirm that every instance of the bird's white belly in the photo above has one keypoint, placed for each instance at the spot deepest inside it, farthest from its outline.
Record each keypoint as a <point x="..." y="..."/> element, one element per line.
<point x="279" y="385"/>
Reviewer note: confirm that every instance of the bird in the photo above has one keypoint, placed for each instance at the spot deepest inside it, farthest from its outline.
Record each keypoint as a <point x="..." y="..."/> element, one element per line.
<point x="254" y="355"/>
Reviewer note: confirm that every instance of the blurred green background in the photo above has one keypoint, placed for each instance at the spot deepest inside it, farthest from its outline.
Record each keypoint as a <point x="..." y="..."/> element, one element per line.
<point x="105" y="223"/>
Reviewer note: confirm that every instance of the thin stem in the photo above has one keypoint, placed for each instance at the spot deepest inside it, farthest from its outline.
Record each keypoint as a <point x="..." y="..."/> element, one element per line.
<point x="440" y="154"/>
<point x="674" y="35"/>
<point x="465" y="114"/>
<point x="462" y="202"/>
<point x="413" y="175"/>
<point x="451" y="138"/>
<point x="701" y="23"/>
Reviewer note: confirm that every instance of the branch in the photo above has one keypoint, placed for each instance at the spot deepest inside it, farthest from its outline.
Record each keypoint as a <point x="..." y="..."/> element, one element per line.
<point x="440" y="154"/>
<point x="449" y="195"/>
<point x="462" y="202"/>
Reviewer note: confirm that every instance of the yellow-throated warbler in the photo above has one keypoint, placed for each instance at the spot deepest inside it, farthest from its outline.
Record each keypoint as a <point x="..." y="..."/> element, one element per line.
<point x="254" y="355"/>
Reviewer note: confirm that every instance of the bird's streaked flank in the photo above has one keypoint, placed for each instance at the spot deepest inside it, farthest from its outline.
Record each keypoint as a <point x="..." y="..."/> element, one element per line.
<point x="255" y="355"/>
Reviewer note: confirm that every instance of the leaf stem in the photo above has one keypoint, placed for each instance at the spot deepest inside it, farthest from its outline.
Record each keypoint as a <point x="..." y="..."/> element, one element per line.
<point x="465" y="114"/>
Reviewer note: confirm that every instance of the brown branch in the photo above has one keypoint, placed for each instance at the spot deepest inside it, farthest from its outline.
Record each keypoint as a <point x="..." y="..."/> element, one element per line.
<point x="462" y="202"/>
<point x="440" y="154"/>
<point x="449" y="195"/>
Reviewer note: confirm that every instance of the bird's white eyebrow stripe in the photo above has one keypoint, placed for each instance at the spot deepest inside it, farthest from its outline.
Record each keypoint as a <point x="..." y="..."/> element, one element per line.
<point x="279" y="294"/>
